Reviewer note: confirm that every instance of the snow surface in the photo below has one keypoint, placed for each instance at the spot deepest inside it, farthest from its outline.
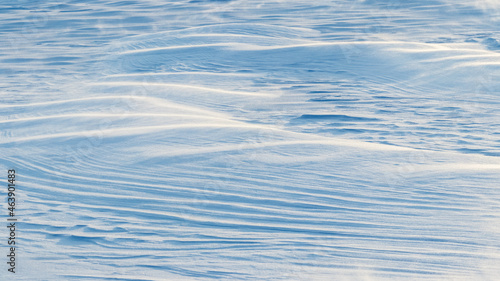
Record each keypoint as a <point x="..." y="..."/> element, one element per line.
<point x="252" y="140"/>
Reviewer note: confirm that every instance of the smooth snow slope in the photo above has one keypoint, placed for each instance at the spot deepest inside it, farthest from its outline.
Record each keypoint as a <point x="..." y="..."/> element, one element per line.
<point x="252" y="140"/>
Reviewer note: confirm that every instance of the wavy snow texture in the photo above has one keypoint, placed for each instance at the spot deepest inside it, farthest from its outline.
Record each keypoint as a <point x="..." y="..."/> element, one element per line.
<point x="252" y="140"/>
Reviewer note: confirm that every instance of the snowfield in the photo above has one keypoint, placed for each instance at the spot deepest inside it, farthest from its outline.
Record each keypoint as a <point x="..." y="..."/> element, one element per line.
<point x="252" y="140"/>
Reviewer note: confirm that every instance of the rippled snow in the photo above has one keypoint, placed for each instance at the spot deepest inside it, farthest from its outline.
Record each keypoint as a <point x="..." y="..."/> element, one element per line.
<point x="252" y="140"/>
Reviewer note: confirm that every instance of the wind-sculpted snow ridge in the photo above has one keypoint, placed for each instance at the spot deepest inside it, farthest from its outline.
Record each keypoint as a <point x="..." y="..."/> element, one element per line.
<point x="394" y="81"/>
<point x="251" y="140"/>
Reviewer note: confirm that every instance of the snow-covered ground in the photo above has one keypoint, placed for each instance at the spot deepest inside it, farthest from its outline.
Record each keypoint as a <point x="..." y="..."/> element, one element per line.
<point x="252" y="140"/>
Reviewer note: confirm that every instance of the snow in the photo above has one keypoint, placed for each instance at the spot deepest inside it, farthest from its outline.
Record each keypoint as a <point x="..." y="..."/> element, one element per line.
<point x="252" y="140"/>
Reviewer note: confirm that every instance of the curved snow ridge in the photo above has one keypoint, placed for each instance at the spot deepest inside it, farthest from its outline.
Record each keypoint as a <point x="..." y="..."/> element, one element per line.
<point x="253" y="46"/>
<point x="251" y="146"/>
<point x="472" y="167"/>
<point x="114" y="131"/>
<point x="127" y="131"/>
<point x="252" y="31"/>
<point x="182" y="86"/>
<point x="181" y="73"/>
<point x="110" y="115"/>
<point x="159" y="49"/>
<point x="127" y="102"/>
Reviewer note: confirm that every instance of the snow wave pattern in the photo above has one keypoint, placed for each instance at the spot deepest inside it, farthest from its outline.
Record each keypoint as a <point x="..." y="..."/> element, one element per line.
<point x="252" y="140"/>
